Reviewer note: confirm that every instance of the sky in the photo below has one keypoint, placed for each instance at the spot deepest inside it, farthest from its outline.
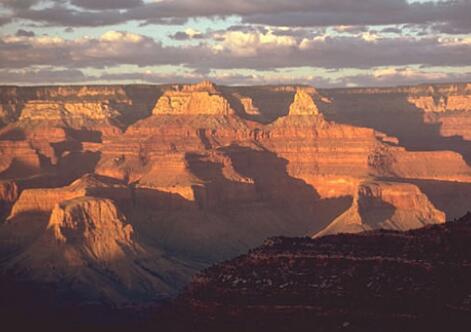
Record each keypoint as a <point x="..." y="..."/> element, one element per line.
<point x="324" y="43"/>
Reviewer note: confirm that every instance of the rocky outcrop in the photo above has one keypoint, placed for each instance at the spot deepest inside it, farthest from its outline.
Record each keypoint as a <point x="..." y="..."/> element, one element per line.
<point x="442" y="104"/>
<point x="46" y="111"/>
<point x="8" y="195"/>
<point x="42" y="200"/>
<point x="94" y="223"/>
<point x="400" y="163"/>
<point x="198" y="99"/>
<point x="386" y="205"/>
<point x="89" y="243"/>
<point x="18" y="159"/>
<point x="303" y="104"/>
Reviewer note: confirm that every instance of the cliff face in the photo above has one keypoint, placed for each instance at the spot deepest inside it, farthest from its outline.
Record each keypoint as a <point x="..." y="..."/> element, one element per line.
<point x="386" y="205"/>
<point x="423" y="118"/>
<point x="303" y="104"/>
<point x="198" y="99"/>
<point x="44" y="199"/>
<point x="203" y="172"/>
<point x="408" y="281"/>
<point x="89" y="241"/>
<point x="442" y="104"/>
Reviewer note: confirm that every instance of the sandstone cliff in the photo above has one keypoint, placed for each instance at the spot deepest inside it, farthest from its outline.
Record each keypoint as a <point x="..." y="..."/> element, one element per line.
<point x="386" y="205"/>
<point x="89" y="243"/>
<point x="303" y="104"/>
<point x="198" y="99"/>
<point x="42" y="200"/>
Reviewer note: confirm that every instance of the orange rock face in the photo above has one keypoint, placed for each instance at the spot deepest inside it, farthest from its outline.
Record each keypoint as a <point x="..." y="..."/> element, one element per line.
<point x="89" y="239"/>
<point x="386" y="205"/>
<point x="203" y="172"/>
<point x="198" y="99"/>
<point x="303" y="104"/>
<point x="42" y="200"/>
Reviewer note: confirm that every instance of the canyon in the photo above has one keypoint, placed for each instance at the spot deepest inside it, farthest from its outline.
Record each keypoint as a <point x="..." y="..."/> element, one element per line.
<point x="122" y="193"/>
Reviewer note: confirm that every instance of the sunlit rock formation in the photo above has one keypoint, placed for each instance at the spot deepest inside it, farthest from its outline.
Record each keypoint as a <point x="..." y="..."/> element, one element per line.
<point x="386" y="205"/>
<point x="303" y="104"/>
<point x="198" y="99"/>
<point x="89" y="242"/>
<point x="42" y="200"/>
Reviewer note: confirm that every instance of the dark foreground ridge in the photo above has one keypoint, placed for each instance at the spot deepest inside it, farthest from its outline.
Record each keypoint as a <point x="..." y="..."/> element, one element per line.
<point x="374" y="281"/>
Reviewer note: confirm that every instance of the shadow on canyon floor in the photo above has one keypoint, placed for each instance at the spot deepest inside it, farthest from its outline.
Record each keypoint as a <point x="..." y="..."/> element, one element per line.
<point x="270" y="103"/>
<point x="453" y="198"/>
<point x="144" y="98"/>
<point x="375" y="212"/>
<point x="397" y="117"/>
<point x="293" y="198"/>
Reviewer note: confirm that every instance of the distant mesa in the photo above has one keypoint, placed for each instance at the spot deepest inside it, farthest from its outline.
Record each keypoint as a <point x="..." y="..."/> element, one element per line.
<point x="195" y="99"/>
<point x="386" y="205"/>
<point x="442" y="103"/>
<point x="303" y="104"/>
<point x="203" y="86"/>
<point x="249" y="107"/>
<point x="39" y="110"/>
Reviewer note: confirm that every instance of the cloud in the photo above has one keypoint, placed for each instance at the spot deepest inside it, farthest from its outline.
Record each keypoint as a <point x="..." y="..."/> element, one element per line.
<point x="368" y="12"/>
<point x="107" y="4"/>
<point x="248" y="44"/>
<point x="59" y="15"/>
<point x="352" y="29"/>
<point x="236" y="49"/>
<point x="5" y="20"/>
<point x="42" y="76"/>
<point x="384" y="76"/>
<point x="265" y="51"/>
<point x="451" y="15"/>
<point x="188" y="35"/>
<point x="110" y="49"/>
<point x="391" y="76"/>
<point x="24" y="33"/>
<point x="19" y="4"/>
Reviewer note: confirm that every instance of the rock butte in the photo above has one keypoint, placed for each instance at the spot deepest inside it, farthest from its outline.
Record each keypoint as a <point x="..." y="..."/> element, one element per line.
<point x="197" y="99"/>
<point x="88" y="240"/>
<point x="303" y="104"/>
<point x="202" y="172"/>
